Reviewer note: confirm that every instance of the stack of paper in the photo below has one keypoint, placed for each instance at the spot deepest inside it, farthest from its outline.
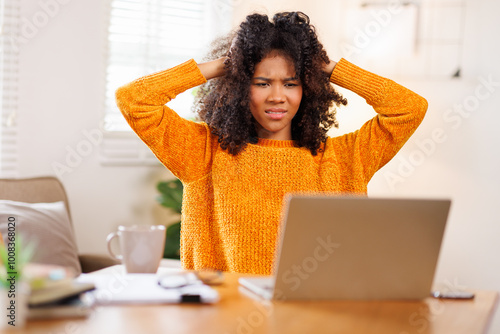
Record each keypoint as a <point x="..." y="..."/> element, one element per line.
<point x="120" y="288"/>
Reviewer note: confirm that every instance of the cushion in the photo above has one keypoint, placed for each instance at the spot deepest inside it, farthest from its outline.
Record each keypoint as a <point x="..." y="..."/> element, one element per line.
<point x="48" y="226"/>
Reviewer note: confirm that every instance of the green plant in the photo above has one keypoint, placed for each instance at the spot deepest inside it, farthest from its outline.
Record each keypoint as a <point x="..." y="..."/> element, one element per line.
<point x="171" y="197"/>
<point x="14" y="255"/>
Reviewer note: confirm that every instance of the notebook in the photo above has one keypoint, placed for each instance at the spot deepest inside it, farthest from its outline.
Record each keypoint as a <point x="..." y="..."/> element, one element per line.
<point x="120" y="288"/>
<point x="355" y="248"/>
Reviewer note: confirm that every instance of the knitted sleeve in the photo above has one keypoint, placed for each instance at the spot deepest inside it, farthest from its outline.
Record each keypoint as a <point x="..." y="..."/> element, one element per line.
<point x="183" y="146"/>
<point x="399" y="112"/>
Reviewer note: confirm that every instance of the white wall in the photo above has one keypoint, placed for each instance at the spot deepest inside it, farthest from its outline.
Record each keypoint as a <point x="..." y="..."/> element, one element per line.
<point x="61" y="96"/>
<point x="61" y="91"/>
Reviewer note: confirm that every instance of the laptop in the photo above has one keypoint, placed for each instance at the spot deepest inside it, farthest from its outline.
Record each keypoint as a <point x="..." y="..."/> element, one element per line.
<point x="355" y="248"/>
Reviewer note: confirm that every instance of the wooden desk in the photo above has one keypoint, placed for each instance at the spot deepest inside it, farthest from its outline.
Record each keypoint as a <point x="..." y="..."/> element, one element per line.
<point x="240" y="312"/>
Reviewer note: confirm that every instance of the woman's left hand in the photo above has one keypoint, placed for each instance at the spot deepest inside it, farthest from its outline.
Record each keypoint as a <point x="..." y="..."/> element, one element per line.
<point x="328" y="68"/>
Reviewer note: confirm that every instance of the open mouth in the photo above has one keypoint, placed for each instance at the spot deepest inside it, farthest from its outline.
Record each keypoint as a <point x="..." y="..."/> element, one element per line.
<point x="276" y="113"/>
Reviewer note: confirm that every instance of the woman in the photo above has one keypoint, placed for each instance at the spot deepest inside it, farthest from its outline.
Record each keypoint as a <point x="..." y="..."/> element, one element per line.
<point x="265" y="114"/>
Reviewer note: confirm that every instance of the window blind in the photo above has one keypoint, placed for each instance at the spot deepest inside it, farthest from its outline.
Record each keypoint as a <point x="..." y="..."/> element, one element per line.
<point x="9" y="63"/>
<point x="144" y="37"/>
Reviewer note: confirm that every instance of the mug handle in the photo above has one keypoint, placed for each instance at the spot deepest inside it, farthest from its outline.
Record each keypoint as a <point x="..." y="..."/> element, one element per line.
<point x="110" y="237"/>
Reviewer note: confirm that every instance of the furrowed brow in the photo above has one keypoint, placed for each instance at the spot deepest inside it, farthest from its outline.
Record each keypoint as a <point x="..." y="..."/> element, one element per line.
<point x="267" y="79"/>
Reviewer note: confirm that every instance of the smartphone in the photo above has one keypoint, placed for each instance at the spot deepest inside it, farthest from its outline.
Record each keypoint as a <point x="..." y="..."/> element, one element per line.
<point x="452" y="294"/>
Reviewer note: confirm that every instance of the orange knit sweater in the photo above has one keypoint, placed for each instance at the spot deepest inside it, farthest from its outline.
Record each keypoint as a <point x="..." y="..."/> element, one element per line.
<point x="232" y="204"/>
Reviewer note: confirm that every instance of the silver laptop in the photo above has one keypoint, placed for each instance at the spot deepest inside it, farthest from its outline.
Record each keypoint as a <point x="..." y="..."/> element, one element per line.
<point x="355" y="248"/>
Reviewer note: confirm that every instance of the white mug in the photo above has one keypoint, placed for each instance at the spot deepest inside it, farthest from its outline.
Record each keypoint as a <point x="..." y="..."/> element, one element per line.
<point x="141" y="247"/>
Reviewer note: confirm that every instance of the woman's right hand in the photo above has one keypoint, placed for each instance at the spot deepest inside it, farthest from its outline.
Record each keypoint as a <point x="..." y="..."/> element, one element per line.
<point x="213" y="69"/>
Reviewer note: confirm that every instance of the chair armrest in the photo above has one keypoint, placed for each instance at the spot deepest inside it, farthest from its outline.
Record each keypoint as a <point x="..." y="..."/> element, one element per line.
<point x="93" y="262"/>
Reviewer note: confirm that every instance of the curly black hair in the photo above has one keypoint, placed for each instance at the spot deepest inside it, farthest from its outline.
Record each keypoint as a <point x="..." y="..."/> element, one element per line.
<point x="223" y="103"/>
